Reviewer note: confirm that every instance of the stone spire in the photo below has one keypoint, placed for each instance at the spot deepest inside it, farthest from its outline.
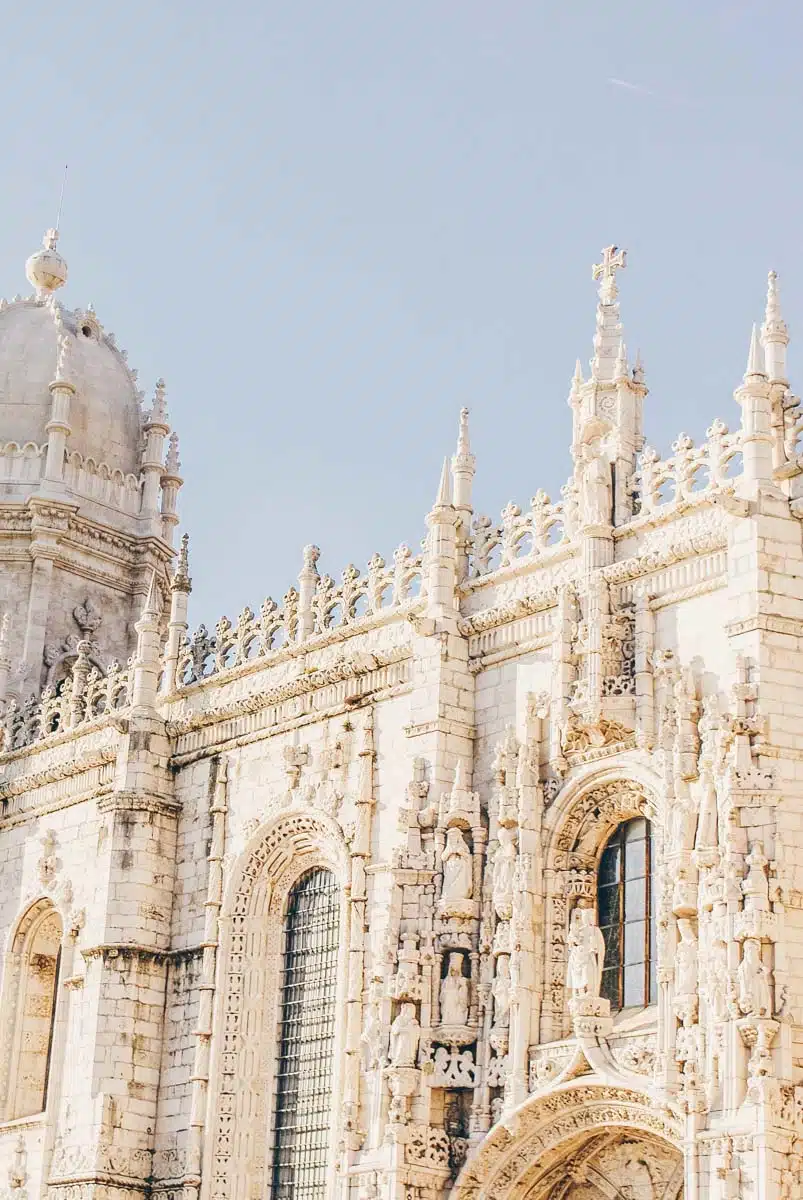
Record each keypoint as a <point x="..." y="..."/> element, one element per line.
<point x="146" y="659"/>
<point x="441" y="554"/>
<point x="463" y="466"/>
<point x="444" y="496"/>
<point x="46" y="269"/>
<point x="609" y="331"/>
<point x="754" y="398"/>
<point x="774" y="333"/>
<point x="180" y="588"/>
<point x="755" y="357"/>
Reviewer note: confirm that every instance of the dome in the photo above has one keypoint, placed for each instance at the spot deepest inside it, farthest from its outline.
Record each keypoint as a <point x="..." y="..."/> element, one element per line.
<point x="105" y="414"/>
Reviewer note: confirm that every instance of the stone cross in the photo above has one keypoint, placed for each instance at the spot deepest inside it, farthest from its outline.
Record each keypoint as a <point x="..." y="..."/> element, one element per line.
<point x="612" y="260"/>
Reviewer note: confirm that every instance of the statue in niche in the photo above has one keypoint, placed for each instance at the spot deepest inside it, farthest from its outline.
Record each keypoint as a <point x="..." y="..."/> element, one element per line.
<point x="504" y="874"/>
<point x="717" y="973"/>
<point x="454" y="993"/>
<point x="595" y="486"/>
<point x="405" y="1034"/>
<point x="500" y="991"/>
<point x="753" y="977"/>
<point x="457" y="868"/>
<point x="586" y="954"/>
<point x="686" y="959"/>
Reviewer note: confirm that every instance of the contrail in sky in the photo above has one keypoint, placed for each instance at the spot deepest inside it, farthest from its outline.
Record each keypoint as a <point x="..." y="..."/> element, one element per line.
<point x="640" y="90"/>
<point x="631" y="87"/>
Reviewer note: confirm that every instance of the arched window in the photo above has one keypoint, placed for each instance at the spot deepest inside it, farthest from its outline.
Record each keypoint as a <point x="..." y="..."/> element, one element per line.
<point x="36" y="956"/>
<point x="624" y="905"/>
<point x="308" y="1002"/>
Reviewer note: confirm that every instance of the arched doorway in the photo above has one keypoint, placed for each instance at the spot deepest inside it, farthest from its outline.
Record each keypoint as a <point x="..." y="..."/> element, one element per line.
<point x="581" y="1141"/>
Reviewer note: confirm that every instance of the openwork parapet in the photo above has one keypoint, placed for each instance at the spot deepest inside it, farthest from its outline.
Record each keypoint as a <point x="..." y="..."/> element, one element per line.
<point x="329" y="606"/>
<point x="84" y="695"/>
<point x="692" y="472"/>
<point x="522" y="536"/>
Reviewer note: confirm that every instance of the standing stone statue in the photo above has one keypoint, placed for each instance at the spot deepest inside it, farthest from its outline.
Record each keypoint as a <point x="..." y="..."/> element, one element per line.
<point x="586" y="954"/>
<point x="755" y="996"/>
<point x="686" y="960"/>
<point x="457" y="868"/>
<point x="500" y="991"/>
<point x="405" y="1034"/>
<point x="504" y="872"/>
<point x="454" y="993"/>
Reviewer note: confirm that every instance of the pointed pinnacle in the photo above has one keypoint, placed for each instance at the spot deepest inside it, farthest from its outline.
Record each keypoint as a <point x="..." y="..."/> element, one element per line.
<point x="444" y="496"/>
<point x="755" y="359"/>
<point x="577" y="378"/>
<point x="620" y="367"/>
<point x="152" y="606"/>
<point x="774" y="328"/>
<point x="638" y="369"/>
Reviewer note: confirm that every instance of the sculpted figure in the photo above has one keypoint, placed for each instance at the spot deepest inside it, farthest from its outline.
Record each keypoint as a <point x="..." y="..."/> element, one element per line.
<point x="586" y="954"/>
<point x="454" y="993"/>
<point x="754" y="983"/>
<point x="717" y="975"/>
<point x="405" y="1034"/>
<point x="501" y="993"/>
<point x="595" y="487"/>
<point x="457" y="867"/>
<point x="504" y="873"/>
<point x="686" y="960"/>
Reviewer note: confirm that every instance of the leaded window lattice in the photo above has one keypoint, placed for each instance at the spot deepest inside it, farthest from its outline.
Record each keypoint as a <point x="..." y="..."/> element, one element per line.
<point x="625" y="886"/>
<point x="303" y="1103"/>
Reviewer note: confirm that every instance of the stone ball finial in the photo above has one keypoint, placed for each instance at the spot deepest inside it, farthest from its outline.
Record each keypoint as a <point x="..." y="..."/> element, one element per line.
<point x="46" y="269"/>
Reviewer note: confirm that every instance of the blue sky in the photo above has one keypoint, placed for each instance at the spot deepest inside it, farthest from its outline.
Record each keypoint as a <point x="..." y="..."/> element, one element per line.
<point x="331" y="225"/>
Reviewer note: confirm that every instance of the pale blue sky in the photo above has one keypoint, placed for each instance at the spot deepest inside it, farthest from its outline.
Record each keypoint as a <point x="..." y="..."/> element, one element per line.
<point x="331" y="224"/>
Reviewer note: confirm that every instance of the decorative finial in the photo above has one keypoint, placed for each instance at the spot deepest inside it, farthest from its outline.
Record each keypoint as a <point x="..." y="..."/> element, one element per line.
<point x="444" y="496"/>
<point x="158" y="413"/>
<point x="577" y="378"/>
<point x="463" y="444"/>
<point x="774" y="333"/>
<point x="638" y="369"/>
<point x="620" y="367"/>
<point x="613" y="259"/>
<point x="181" y="578"/>
<point x="755" y="359"/>
<point x="46" y="269"/>
<point x="172" y="462"/>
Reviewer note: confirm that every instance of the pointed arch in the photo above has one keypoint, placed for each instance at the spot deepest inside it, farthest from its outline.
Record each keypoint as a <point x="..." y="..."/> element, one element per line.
<point x="246" y="1034"/>
<point x="30" y="996"/>
<point x="585" y="814"/>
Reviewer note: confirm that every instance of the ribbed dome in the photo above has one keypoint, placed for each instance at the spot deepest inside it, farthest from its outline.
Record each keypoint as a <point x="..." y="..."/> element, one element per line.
<point x="105" y="414"/>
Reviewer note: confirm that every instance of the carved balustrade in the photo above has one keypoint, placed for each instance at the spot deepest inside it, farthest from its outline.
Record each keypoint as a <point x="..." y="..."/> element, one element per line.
<point x="84" y="695"/>
<point x="254" y="636"/>
<point x="693" y="472"/>
<point x="521" y="536"/>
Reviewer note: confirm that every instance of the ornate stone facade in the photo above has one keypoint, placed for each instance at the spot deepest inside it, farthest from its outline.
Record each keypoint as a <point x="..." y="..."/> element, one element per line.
<point x="455" y="736"/>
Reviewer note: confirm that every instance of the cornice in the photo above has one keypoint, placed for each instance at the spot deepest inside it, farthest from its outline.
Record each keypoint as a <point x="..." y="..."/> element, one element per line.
<point x="510" y="610"/>
<point x="132" y="801"/>
<point x="56" y="773"/>
<point x="313" y="681"/>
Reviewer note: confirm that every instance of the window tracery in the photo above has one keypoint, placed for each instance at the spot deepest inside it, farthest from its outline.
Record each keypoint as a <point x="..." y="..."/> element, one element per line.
<point x="302" y="1107"/>
<point x="625" y="881"/>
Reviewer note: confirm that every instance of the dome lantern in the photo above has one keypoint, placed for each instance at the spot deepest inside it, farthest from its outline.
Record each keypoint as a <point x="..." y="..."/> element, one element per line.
<point x="46" y="269"/>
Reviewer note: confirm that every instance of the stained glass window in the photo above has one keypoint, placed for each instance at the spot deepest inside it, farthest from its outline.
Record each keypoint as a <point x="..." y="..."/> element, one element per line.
<point x="624" y="908"/>
<point x="303" y="1104"/>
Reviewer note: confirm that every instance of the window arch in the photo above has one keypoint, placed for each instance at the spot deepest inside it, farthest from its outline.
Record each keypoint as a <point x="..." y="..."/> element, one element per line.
<point x="302" y="1109"/>
<point x="36" y="957"/>
<point x="625" y="888"/>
